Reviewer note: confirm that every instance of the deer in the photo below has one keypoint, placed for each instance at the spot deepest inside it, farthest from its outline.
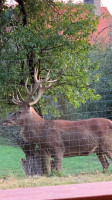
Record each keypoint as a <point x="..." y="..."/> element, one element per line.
<point x="60" y="138"/>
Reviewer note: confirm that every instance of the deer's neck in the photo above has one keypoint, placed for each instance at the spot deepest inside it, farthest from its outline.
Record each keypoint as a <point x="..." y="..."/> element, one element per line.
<point x="32" y="119"/>
<point x="30" y="127"/>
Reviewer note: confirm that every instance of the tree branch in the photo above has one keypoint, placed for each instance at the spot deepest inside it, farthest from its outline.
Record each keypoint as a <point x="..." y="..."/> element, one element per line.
<point x="103" y="30"/>
<point x="23" y="10"/>
<point x="48" y="49"/>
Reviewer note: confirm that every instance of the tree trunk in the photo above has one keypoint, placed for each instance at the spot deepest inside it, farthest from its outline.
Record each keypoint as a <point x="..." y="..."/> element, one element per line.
<point x="32" y="165"/>
<point x="37" y="161"/>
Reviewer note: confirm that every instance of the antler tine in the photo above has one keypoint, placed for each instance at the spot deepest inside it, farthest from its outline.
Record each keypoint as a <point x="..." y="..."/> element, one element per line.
<point x="36" y="80"/>
<point x="52" y="81"/>
<point x="47" y="76"/>
<point x="20" y="97"/>
<point x="26" y="87"/>
<point x="40" y="92"/>
<point x="35" y="74"/>
<point x="16" y="101"/>
<point x="33" y="89"/>
<point x="42" y="89"/>
<point x="36" y="99"/>
<point x="38" y="84"/>
<point x="50" y="85"/>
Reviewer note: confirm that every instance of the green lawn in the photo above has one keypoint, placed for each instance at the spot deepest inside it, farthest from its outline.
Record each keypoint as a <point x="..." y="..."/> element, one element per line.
<point x="10" y="163"/>
<point x="82" y="164"/>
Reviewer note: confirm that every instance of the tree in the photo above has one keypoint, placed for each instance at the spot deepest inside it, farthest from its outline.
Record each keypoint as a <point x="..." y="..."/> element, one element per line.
<point x="103" y="54"/>
<point x="51" y="36"/>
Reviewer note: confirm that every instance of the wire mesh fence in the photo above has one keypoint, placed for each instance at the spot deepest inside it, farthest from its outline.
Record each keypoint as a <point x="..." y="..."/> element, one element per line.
<point x="65" y="140"/>
<point x="78" y="142"/>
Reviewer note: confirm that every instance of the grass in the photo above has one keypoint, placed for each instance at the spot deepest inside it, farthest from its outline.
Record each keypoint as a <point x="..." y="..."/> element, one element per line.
<point x="13" y="182"/>
<point x="10" y="161"/>
<point x="75" y="170"/>
<point x="10" y="165"/>
<point x="84" y="164"/>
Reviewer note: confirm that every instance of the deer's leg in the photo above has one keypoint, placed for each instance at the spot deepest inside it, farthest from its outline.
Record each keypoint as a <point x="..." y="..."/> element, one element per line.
<point x="52" y="165"/>
<point x="46" y="163"/>
<point x="109" y="154"/>
<point x="102" y="158"/>
<point x="58" y="157"/>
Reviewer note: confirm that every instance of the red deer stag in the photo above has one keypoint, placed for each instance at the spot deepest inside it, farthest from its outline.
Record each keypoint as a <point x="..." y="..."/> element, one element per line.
<point x="61" y="138"/>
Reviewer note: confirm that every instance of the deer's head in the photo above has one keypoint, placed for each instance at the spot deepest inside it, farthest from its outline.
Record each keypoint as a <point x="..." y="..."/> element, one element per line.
<point x="26" y="110"/>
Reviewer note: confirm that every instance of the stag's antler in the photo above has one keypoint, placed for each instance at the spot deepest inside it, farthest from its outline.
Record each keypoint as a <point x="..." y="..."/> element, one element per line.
<point x="38" y="84"/>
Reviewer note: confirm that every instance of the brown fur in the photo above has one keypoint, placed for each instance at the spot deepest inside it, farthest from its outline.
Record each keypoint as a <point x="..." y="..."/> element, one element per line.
<point x="61" y="138"/>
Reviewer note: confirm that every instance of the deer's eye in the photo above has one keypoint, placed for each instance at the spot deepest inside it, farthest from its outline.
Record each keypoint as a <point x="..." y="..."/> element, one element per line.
<point x="20" y="111"/>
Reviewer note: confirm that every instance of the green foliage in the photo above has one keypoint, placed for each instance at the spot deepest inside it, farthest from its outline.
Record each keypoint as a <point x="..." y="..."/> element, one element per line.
<point x="56" y="173"/>
<point x="49" y="36"/>
<point x="104" y="86"/>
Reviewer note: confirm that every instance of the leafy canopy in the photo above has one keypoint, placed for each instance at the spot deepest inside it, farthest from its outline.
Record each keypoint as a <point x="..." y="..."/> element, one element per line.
<point x="51" y="36"/>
